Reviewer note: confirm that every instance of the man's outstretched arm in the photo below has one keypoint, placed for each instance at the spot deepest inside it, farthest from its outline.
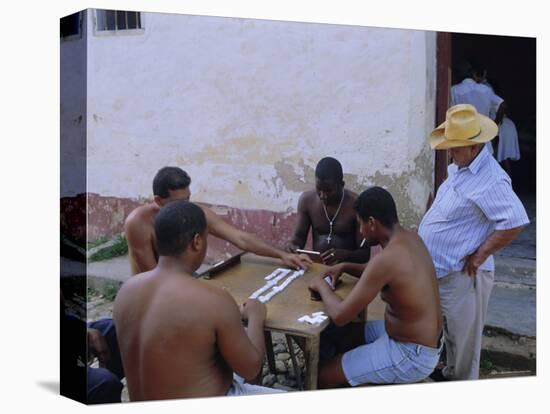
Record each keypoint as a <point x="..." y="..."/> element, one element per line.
<point x="344" y="311"/>
<point x="250" y="243"/>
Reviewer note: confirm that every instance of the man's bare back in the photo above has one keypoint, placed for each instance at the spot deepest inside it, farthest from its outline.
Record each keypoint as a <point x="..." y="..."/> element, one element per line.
<point x="140" y="233"/>
<point x="404" y="275"/>
<point x="413" y="311"/>
<point x="178" y="336"/>
<point x="167" y="333"/>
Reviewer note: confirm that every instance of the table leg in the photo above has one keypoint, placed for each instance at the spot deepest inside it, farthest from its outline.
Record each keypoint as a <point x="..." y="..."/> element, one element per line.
<point x="269" y="352"/>
<point x="297" y="371"/>
<point x="300" y="341"/>
<point x="312" y="362"/>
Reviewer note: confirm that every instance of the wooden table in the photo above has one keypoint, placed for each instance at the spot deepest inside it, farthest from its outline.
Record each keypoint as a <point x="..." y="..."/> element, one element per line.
<point x="284" y="309"/>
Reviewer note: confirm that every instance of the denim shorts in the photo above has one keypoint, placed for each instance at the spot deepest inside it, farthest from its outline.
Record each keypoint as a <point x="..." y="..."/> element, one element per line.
<point x="383" y="360"/>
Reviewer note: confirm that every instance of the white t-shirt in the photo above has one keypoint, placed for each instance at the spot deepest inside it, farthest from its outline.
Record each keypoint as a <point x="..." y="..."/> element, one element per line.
<point x="508" y="145"/>
<point x="479" y="95"/>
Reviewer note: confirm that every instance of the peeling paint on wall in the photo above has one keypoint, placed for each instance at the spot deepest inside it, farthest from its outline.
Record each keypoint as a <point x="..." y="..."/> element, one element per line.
<point x="408" y="188"/>
<point x="248" y="108"/>
<point x="297" y="178"/>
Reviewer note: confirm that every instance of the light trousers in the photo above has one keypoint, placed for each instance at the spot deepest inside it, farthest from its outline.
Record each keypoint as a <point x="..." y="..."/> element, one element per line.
<point x="464" y="301"/>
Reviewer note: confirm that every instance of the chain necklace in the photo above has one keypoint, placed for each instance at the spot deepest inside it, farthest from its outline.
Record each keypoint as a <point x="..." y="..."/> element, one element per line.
<point x="330" y="222"/>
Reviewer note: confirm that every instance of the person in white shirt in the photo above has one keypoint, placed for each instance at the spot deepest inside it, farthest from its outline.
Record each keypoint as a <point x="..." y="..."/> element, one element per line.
<point x="475" y="214"/>
<point x="508" y="144"/>
<point x="473" y="90"/>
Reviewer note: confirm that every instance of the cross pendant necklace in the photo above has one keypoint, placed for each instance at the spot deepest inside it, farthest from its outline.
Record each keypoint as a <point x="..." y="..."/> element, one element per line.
<point x="330" y="222"/>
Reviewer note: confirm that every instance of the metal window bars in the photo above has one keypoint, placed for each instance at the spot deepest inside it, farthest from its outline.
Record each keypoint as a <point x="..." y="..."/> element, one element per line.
<point x="116" y="20"/>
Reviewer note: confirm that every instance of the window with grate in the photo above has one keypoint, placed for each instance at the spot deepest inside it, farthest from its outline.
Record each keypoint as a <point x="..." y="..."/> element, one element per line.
<point x="116" y="20"/>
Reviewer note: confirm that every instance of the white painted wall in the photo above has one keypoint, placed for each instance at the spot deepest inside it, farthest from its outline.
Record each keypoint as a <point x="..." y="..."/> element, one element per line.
<point x="248" y="107"/>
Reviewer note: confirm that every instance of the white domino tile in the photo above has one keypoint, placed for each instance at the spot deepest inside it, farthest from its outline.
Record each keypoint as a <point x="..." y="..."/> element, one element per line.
<point x="272" y="283"/>
<point x="316" y="318"/>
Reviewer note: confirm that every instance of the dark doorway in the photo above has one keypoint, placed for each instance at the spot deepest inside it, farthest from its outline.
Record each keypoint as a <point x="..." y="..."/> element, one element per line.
<point x="511" y="70"/>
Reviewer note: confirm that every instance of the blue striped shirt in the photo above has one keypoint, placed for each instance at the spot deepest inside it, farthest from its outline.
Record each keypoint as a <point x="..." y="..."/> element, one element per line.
<point x="470" y="205"/>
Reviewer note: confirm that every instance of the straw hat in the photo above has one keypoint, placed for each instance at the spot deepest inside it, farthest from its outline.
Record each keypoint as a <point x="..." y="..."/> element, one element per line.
<point x="463" y="127"/>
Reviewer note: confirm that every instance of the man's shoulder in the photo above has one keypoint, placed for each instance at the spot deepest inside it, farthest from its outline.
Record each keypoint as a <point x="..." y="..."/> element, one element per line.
<point x="403" y="252"/>
<point x="401" y="243"/>
<point x="129" y="290"/>
<point x="308" y="198"/>
<point x="211" y="300"/>
<point x="488" y="178"/>
<point x="491" y="173"/>
<point x="204" y="292"/>
<point x="456" y="87"/>
<point x="484" y="89"/>
<point x="379" y="264"/>
<point x="308" y="195"/>
<point x="460" y="85"/>
<point x="140" y="215"/>
<point x="351" y="194"/>
<point x="182" y="290"/>
<point x="143" y="210"/>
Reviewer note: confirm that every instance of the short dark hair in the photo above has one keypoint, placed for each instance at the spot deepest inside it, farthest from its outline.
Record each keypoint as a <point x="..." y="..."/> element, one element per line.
<point x="462" y="70"/>
<point x="476" y="67"/>
<point x="377" y="203"/>
<point x="329" y="169"/>
<point x="170" y="178"/>
<point x="176" y="224"/>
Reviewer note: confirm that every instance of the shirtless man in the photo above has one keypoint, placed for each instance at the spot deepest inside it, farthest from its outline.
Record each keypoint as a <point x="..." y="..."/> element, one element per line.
<point x="179" y="336"/>
<point x="405" y="347"/>
<point x="172" y="183"/>
<point x="328" y="211"/>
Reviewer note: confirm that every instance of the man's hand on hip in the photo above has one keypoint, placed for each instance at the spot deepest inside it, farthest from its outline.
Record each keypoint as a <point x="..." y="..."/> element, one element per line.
<point x="472" y="263"/>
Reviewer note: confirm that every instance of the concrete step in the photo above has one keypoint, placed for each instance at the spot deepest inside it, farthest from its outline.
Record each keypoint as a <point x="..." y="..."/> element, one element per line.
<point x="117" y="268"/>
<point x="513" y="309"/>
<point x="516" y="270"/>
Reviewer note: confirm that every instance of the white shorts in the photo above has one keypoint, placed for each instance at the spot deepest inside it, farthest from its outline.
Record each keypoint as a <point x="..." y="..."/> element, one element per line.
<point x="239" y="387"/>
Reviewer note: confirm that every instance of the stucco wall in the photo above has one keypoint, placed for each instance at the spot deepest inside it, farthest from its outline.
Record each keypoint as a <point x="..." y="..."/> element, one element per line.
<point x="248" y="107"/>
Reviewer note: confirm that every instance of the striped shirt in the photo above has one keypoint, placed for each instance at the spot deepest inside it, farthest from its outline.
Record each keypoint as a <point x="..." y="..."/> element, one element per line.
<point x="470" y="205"/>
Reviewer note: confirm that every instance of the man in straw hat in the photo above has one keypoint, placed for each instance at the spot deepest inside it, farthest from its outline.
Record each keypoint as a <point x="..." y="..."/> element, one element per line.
<point x="475" y="214"/>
